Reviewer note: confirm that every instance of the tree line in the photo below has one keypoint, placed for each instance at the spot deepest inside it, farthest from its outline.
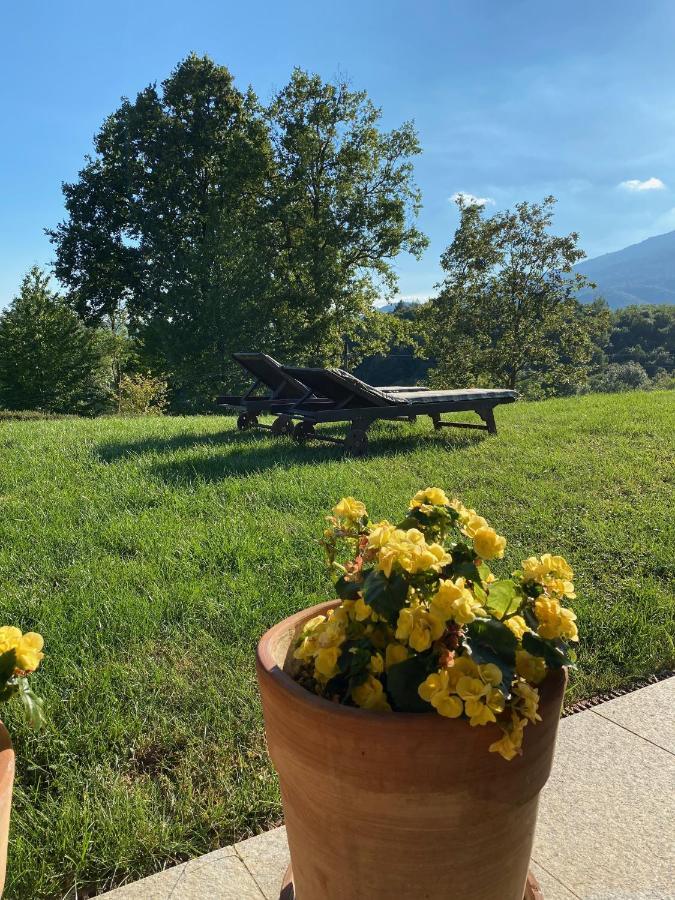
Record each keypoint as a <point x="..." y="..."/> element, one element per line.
<point x="207" y="221"/>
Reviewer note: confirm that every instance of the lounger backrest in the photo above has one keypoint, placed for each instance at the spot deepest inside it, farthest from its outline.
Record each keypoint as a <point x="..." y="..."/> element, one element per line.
<point x="271" y="373"/>
<point x="346" y="390"/>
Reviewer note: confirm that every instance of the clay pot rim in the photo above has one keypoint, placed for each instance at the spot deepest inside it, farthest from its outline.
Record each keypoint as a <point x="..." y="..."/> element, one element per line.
<point x="266" y="662"/>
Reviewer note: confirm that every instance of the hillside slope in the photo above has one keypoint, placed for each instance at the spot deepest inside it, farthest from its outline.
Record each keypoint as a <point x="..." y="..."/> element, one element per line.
<point x="640" y="273"/>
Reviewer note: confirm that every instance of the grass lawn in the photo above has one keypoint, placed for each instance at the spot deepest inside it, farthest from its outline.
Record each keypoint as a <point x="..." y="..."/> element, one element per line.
<point x="152" y="553"/>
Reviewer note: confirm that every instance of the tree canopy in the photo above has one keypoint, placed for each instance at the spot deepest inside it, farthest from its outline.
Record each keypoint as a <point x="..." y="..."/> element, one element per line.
<point x="220" y="225"/>
<point x="507" y="310"/>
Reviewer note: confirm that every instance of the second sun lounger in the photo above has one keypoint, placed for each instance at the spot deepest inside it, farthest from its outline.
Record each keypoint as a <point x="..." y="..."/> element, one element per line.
<point x="360" y="404"/>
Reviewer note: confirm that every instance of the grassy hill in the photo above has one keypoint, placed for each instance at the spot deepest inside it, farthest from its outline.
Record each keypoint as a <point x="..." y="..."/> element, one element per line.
<point x="639" y="273"/>
<point x="152" y="553"/>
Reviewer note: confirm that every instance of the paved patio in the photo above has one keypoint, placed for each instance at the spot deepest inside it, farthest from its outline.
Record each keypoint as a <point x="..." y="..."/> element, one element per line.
<point x="606" y="827"/>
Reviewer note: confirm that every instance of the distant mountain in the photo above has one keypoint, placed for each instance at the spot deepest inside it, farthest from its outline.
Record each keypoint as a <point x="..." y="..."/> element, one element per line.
<point x="390" y="307"/>
<point x="640" y="273"/>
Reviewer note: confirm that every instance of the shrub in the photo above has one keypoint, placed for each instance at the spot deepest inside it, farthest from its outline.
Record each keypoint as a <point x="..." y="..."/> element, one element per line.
<point x="617" y="377"/>
<point x="142" y="395"/>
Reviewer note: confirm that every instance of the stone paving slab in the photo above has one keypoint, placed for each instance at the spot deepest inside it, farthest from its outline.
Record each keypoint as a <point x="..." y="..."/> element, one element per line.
<point x="606" y="828"/>
<point x="652" y="718"/>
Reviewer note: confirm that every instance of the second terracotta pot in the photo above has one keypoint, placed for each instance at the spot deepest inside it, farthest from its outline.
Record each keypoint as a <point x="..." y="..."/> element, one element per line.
<point x="386" y="805"/>
<point x="6" y="786"/>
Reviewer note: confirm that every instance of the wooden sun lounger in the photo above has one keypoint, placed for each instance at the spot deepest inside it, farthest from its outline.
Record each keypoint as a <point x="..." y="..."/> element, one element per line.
<point x="360" y="404"/>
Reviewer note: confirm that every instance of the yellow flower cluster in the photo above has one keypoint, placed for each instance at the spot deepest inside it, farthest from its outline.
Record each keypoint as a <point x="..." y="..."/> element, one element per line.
<point x="553" y="573"/>
<point x="321" y="640"/>
<point x="467" y="688"/>
<point x="453" y="601"/>
<point x="430" y="595"/>
<point x="555" y="620"/>
<point x="27" y="647"/>
<point x="406" y="549"/>
<point x="487" y="543"/>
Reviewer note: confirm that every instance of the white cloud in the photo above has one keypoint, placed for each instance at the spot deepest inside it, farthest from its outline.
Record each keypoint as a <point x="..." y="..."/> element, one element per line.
<point x="471" y="200"/>
<point x="650" y="184"/>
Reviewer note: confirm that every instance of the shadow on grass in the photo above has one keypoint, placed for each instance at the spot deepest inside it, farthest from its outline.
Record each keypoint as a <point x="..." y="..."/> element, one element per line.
<point x="113" y="451"/>
<point x="249" y="452"/>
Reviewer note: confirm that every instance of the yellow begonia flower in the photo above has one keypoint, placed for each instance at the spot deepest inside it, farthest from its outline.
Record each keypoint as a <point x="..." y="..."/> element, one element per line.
<point x="350" y="509"/>
<point x="528" y="701"/>
<point x="531" y="668"/>
<point x="554" y="620"/>
<point x="395" y="653"/>
<point x="511" y="743"/>
<point x="28" y="651"/>
<point x="416" y="626"/>
<point x="312" y="624"/>
<point x="362" y="610"/>
<point x="380" y="534"/>
<point x="370" y="695"/>
<point x="481" y="698"/>
<point x="436" y="689"/>
<point x="488" y="544"/>
<point x="552" y="572"/>
<point x="517" y="625"/>
<point x="27" y="647"/>
<point x="473" y="523"/>
<point x="325" y="662"/>
<point x="454" y="600"/>
<point x="409" y="550"/>
<point x="430" y="496"/>
<point x="9" y="637"/>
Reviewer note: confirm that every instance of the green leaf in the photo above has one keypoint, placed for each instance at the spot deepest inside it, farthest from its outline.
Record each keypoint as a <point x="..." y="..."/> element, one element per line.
<point x="484" y="571"/>
<point x="467" y="570"/>
<point x="494" y="634"/>
<point x="387" y="596"/>
<point x="554" y="653"/>
<point x="504" y="597"/>
<point x="405" y="677"/>
<point x="33" y="704"/>
<point x="348" y="590"/>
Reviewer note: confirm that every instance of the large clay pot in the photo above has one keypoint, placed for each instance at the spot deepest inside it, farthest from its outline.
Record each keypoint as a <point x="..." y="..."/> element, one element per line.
<point x="6" y="784"/>
<point x="380" y="806"/>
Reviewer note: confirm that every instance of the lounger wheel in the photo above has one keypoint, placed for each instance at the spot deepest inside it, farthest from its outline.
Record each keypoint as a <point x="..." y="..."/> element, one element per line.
<point x="282" y="425"/>
<point x="246" y="421"/>
<point x="356" y="442"/>
<point x="302" y="432"/>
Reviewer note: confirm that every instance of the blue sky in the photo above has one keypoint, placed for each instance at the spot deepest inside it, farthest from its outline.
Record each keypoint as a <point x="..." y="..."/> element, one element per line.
<point x="513" y="99"/>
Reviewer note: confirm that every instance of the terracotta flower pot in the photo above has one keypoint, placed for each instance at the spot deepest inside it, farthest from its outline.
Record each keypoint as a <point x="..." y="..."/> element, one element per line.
<point x="6" y="784"/>
<point x="388" y="805"/>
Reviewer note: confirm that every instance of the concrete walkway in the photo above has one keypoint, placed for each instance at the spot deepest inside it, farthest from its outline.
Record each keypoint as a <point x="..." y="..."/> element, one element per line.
<point x="606" y="828"/>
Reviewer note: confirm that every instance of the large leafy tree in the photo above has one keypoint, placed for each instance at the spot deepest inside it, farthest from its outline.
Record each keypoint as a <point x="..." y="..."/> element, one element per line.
<point x="50" y="360"/>
<point x="211" y="225"/>
<point x="167" y="221"/>
<point x="342" y="206"/>
<point x="507" y="312"/>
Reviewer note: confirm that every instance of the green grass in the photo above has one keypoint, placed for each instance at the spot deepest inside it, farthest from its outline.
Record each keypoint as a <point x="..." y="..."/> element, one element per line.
<point x="152" y="553"/>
